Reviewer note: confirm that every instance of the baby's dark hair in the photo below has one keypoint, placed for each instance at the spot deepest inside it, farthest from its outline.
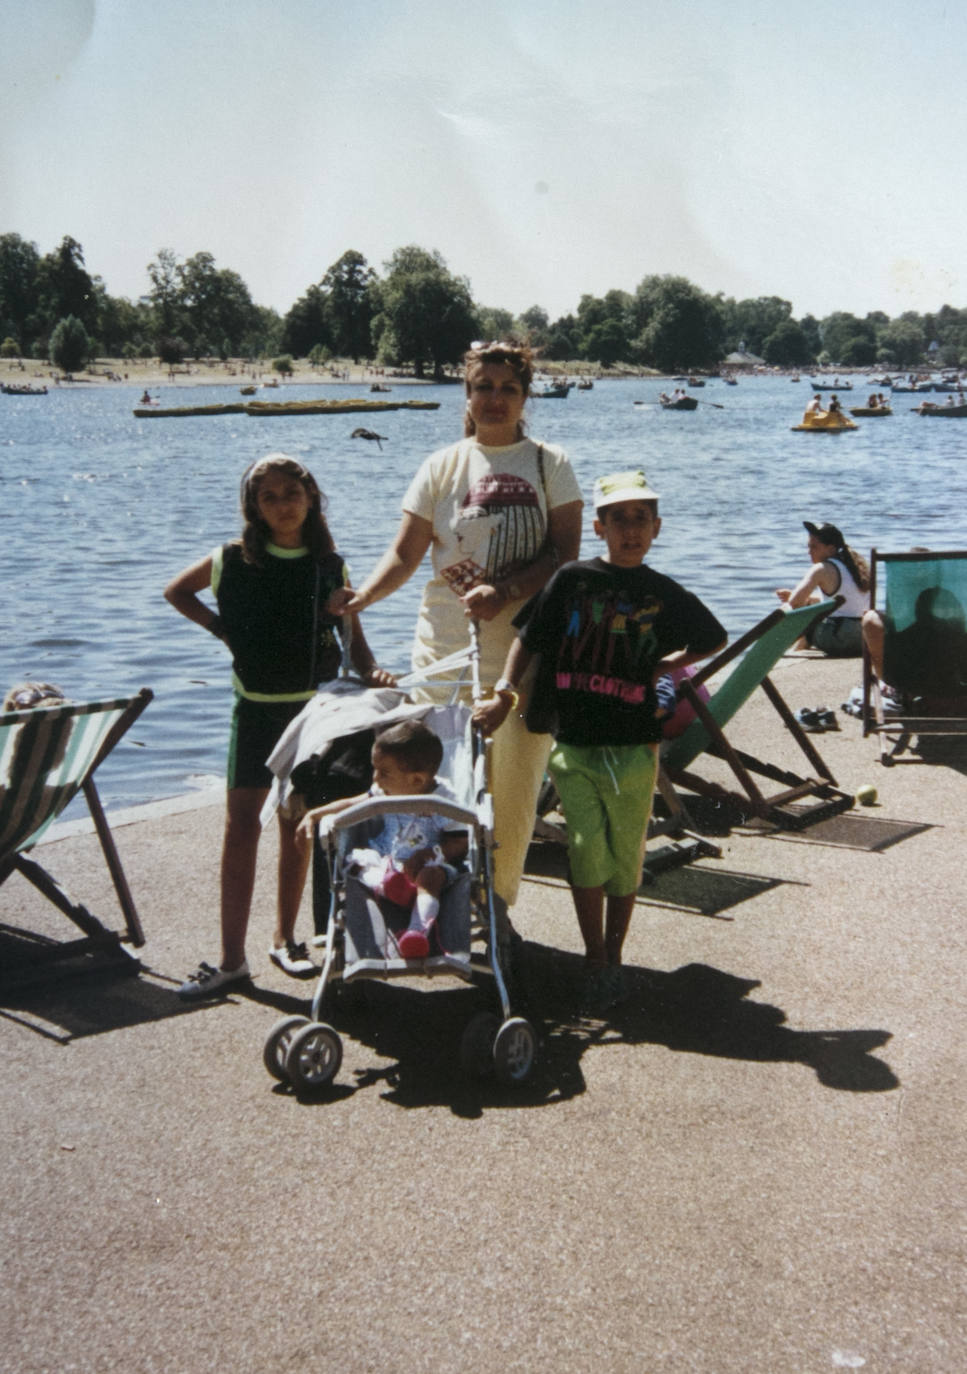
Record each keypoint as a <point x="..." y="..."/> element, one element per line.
<point x="412" y="744"/>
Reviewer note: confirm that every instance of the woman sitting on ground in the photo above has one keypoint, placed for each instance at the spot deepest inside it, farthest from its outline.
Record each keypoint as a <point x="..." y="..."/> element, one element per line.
<point x="837" y="570"/>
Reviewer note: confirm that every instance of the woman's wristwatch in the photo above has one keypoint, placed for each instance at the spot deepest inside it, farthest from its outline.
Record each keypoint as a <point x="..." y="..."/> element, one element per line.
<point x="503" y="687"/>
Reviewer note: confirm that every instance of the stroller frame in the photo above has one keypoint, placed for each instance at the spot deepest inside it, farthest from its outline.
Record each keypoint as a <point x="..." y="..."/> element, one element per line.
<point x="307" y="1051"/>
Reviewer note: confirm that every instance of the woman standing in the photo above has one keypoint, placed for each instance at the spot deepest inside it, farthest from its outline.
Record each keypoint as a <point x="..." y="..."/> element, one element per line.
<point x="499" y="512"/>
<point x="836" y="571"/>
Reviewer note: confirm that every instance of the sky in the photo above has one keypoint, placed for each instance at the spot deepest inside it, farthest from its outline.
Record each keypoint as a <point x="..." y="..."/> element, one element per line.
<point x="546" y="148"/>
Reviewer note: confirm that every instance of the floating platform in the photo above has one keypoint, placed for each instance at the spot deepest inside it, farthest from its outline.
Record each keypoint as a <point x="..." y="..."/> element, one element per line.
<point x="257" y="408"/>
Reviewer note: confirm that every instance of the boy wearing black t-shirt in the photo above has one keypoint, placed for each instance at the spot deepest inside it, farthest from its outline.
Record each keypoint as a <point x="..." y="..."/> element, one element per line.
<point x="605" y="630"/>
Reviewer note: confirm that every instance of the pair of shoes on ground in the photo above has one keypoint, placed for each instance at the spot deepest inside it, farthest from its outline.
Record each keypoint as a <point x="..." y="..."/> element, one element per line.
<point x="816" y="719"/>
<point x="604" y="988"/>
<point x="208" y="980"/>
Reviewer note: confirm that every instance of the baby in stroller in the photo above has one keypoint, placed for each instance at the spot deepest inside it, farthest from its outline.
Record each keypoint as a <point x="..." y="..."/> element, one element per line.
<point x="412" y="859"/>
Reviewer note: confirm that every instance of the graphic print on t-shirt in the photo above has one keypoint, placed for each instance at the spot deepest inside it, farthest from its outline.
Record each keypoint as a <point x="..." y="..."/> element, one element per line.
<point x="500" y="528"/>
<point x="608" y="645"/>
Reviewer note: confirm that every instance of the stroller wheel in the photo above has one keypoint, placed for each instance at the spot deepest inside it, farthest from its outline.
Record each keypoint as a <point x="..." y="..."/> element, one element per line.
<point x="314" y="1056"/>
<point x="477" y="1044"/>
<point x="515" y="1051"/>
<point x="277" y="1044"/>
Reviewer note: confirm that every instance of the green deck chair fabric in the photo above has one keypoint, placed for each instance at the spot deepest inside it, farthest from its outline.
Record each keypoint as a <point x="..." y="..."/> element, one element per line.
<point x="924" y="610"/>
<point x="773" y="637"/>
<point x="757" y="653"/>
<point x="47" y="756"/>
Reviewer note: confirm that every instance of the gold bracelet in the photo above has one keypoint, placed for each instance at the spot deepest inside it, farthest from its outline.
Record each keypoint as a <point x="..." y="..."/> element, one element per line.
<point x="505" y="688"/>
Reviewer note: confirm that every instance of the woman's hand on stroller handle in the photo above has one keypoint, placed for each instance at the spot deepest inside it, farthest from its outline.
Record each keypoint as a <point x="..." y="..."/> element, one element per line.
<point x="490" y="713"/>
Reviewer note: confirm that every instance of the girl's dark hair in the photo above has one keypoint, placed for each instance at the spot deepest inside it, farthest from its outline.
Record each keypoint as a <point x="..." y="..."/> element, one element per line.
<point x="517" y="356"/>
<point x="412" y="744"/>
<point x="858" y="567"/>
<point x="255" y="531"/>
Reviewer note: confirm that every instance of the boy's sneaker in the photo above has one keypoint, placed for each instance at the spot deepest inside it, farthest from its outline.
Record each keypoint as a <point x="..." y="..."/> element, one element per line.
<point x="293" y="959"/>
<point x="603" y="989"/>
<point x="206" y="981"/>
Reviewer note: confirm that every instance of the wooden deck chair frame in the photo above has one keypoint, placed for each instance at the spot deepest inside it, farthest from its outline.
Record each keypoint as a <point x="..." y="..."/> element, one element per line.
<point x="895" y="730"/>
<point x="754" y="655"/>
<point x="47" y="756"/>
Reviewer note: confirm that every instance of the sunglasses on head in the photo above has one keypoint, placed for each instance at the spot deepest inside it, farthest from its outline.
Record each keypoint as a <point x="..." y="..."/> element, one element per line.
<point x="31" y="696"/>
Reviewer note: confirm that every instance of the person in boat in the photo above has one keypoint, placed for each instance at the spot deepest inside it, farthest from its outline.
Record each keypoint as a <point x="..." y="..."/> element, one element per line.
<point x="146" y="398"/>
<point x="835" y="405"/>
<point x="836" y="570"/>
<point x="814" y="407"/>
<point x="874" y="402"/>
<point x="498" y="512"/>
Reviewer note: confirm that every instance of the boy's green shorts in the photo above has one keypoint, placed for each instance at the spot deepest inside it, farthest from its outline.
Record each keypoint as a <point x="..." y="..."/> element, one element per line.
<point x="606" y="793"/>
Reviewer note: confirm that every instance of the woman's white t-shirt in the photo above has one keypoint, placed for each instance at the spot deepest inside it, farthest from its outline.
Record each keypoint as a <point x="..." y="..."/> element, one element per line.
<point x="488" y="509"/>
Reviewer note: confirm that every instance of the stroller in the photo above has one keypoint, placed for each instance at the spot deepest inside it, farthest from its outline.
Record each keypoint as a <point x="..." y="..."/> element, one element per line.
<point x="362" y="929"/>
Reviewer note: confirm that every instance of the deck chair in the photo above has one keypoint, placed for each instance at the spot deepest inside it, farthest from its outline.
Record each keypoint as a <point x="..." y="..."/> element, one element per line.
<point x="47" y="756"/>
<point x="754" y="655"/>
<point x="923" y="603"/>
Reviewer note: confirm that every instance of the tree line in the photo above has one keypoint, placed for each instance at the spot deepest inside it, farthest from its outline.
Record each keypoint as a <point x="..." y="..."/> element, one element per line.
<point x="419" y="314"/>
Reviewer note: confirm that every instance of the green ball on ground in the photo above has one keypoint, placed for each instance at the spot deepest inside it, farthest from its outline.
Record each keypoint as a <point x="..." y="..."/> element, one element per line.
<point x="866" y="795"/>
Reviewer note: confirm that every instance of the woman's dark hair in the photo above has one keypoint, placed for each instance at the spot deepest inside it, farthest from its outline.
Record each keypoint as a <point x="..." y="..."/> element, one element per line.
<point x="517" y="356"/>
<point x="256" y="533"/>
<point x="858" y="567"/>
<point x="412" y="744"/>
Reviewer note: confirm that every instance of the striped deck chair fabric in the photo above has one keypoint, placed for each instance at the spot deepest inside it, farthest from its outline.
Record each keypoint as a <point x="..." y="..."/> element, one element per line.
<point x="47" y="756"/>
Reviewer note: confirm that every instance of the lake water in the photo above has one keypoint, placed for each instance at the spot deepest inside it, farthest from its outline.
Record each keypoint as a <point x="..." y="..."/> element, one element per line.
<point x="99" y="509"/>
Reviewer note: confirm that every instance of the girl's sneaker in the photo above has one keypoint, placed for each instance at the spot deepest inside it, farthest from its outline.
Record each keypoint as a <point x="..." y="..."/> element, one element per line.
<point x="207" y="980"/>
<point x="293" y="959"/>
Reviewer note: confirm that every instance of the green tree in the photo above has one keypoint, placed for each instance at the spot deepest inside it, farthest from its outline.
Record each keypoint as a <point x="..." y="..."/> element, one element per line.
<point x="683" y="326"/>
<point x="65" y="287"/>
<point x="607" y="343"/>
<point x="494" y="324"/>
<point x="9" y="348"/>
<point x="751" y="321"/>
<point x="70" y="345"/>
<point x="533" y="326"/>
<point x="306" y="326"/>
<point x="350" y="305"/>
<point x="19" y="270"/>
<point x="172" y="349"/>
<point x="811" y="333"/>
<point x="786" y="346"/>
<point x="215" y="303"/>
<point x="283" y="364"/>
<point x="426" y="314"/>
<point x="164" y="298"/>
<point x="901" y="343"/>
<point x="847" y="339"/>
